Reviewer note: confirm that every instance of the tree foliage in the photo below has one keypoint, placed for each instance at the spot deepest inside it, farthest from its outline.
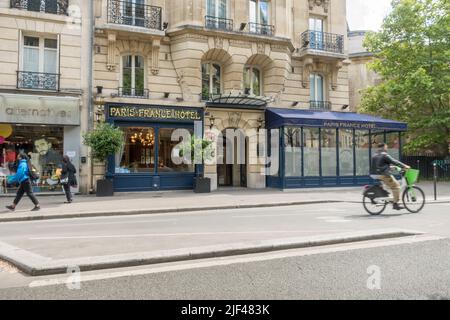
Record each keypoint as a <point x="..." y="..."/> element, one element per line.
<point x="104" y="140"/>
<point x="412" y="56"/>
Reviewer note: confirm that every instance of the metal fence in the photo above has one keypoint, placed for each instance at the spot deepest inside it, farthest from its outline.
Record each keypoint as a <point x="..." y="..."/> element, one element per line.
<point x="134" y="14"/>
<point x="322" y="41"/>
<point x="426" y="166"/>
<point x="48" y="6"/>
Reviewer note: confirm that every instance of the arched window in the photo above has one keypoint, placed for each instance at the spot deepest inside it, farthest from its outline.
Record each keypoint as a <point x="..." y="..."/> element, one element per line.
<point x="252" y="81"/>
<point x="211" y="80"/>
<point x="133" y="75"/>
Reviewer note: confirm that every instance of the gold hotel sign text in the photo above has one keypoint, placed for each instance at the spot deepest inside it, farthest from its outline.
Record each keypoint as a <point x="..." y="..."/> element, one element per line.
<point x="156" y="113"/>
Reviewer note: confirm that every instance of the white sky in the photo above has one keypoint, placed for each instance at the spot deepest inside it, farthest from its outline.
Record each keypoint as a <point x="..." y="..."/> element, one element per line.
<point x="367" y="14"/>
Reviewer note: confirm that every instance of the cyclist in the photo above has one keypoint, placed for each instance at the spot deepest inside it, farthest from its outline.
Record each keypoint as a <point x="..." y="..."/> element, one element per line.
<point x="381" y="165"/>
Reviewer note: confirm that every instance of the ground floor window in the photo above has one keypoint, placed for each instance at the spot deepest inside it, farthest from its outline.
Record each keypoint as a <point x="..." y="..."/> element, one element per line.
<point x="321" y="152"/>
<point x="45" y="147"/>
<point x="149" y="149"/>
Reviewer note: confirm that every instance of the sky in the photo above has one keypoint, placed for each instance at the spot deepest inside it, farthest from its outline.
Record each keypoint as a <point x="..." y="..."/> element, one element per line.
<point x="367" y="14"/>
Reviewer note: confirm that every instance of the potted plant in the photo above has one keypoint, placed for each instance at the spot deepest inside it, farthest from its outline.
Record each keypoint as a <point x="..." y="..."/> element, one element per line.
<point x="199" y="149"/>
<point x="105" y="140"/>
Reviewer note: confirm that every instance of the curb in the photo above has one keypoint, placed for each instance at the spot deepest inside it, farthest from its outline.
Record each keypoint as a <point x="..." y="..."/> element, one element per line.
<point x="159" y="211"/>
<point x="34" y="265"/>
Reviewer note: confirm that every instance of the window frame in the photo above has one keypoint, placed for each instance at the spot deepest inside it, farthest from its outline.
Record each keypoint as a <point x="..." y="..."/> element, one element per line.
<point x="41" y="48"/>
<point x="217" y="8"/>
<point x="133" y="72"/>
<point x="209" y="63"/>
<point x="250" y="69"/>
<point x="316" y="76"/>
<point x="258" y="12"/>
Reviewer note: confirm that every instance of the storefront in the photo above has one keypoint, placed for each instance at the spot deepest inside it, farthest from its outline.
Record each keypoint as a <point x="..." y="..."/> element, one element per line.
<point x="145" y="163"/>
<point x="45" y="128"/>
<point x="327" y="149"/>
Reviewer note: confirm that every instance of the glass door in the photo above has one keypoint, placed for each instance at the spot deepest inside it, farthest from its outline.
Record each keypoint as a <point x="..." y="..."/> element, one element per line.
<point x="134" y="12"/>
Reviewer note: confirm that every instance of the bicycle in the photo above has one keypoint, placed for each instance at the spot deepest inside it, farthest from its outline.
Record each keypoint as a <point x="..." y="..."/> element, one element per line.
<point x="376" y="198"/>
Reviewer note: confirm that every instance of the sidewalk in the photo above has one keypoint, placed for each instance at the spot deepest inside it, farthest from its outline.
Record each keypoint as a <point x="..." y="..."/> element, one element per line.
<point x="180" y="201"/>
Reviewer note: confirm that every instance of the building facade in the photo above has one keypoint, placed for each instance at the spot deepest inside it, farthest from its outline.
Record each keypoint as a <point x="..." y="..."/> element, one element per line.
<point x="214" y="67"/>
<point x="43" y="87"/>
<point x="360" y="76"/>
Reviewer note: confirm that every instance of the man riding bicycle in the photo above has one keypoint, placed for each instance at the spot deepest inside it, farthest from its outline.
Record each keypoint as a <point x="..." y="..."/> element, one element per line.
<point x="381" y="165"/>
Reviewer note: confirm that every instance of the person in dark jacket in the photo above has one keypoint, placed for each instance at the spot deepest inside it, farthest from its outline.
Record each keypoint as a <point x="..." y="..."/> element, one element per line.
<point x="22" y="177"/>
<point x="68" y="178"/>
<point x="381" y="165"/>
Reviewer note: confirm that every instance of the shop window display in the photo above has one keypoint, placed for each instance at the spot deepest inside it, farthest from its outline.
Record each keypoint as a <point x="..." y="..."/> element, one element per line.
<point x="346" y="152"/>
<point x="293" y="151"/>
<point x="329" y="159"/>
<point x="44" y="145"/>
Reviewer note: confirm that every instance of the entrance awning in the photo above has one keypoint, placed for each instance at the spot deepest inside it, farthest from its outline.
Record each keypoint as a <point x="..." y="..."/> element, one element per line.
<point x="237" y="101"/>
<point x="276" y="118"/>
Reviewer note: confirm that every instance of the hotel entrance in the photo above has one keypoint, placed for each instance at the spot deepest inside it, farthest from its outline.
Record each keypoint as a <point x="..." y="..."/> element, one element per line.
<point x="232" y="160"/>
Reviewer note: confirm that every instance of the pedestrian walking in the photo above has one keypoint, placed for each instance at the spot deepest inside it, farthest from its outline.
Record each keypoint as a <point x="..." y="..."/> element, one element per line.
<point x="23" y="178"/>
<point x="68" y="178"/>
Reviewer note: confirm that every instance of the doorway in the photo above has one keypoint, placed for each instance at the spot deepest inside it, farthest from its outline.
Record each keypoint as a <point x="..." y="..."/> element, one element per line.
<point x="232" y="174"/>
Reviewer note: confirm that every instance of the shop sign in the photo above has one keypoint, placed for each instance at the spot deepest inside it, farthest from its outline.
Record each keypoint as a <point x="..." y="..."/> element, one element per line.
<point x="154" y="113"/>
<point x="27" y="109"/>
<point x="350" y="125"/>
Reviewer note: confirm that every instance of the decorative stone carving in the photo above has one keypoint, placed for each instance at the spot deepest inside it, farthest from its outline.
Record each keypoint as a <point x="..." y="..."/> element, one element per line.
<point x="335" y="72"/>
<point x="155" y="57"/>
<point x="308" y="65"/>
<point x="234" y="118"/>
<point x="111" y="59"/>
<point x="319" y="3"/>
<point x="261" y="48"/>
<point x="218" y="43"/>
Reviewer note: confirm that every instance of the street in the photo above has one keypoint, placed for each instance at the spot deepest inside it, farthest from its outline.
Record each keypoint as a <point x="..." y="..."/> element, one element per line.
<point x="414" y="267"/>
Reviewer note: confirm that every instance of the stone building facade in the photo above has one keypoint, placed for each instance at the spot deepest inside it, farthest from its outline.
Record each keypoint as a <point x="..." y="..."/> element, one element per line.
<point x="44" y="45"/>
<point x="360" y="76"/>
<point x="225" y="57"/>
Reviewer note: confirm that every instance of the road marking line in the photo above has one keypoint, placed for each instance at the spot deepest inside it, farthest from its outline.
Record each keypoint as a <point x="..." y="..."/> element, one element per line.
<point x="107" y="223"/>
<point x="226" y="261"/>
<point x="176" y="234"/>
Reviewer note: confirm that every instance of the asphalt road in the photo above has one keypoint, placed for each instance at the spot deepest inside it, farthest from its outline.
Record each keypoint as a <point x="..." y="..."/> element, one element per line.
<point x="88" y="237"/>
<point x="390" y="269"/>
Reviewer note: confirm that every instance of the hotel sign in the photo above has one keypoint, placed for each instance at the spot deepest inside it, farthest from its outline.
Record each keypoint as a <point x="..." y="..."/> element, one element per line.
<point x="157" y="113"/>
<point x="350" y="125"/>
<point x="29" y="109"/>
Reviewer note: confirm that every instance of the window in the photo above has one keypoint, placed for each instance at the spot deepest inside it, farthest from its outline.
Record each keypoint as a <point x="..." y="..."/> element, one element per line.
<point x="259" y="11"/>
<point x="133" y="75"/>
<point x="40" y="55"/>
<point x="393" y="142"/>
<point x="211" y="80"/>
<point x="217" y="8"/>
<point x="311" y="152"/>
<point x="293" y="151"/>
<point x="316" y="29"/>
<point x="316" y="87"/>
<point x="138" y="152"/>
<point x="252" y="81"/>
<point x="346" y="152"/>
<point x="329" y="159"/>
<point x="362" y="153"/>
<point x="134" y="12"/>
<point x="165" y="148"/>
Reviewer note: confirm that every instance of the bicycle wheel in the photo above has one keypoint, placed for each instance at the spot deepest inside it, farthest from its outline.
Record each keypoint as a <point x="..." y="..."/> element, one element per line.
<point x="374" y="207"/>
<point x="413" y="199"/>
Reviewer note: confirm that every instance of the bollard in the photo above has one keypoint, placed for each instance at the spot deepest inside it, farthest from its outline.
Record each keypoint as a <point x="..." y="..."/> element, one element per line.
<point x="435" y="180"/>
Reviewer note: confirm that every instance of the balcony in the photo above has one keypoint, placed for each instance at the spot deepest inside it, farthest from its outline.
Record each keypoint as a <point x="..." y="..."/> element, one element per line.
<point x="38" y="80"/>
<point x="261" y="29"/>
<point x="134" y="14"/>
<point x="133" y="93"/>
<point x="218" y="23"/>
<point x="320" y="105"/>
<point x="47" y="6"/>
<point x="323" y="44"/>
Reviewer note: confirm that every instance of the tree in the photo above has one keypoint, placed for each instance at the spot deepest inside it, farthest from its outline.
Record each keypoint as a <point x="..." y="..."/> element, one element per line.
<point x="412" y="56"/>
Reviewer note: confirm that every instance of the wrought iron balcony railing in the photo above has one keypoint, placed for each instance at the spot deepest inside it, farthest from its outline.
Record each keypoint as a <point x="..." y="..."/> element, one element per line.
<point x="262" y="29"/>
<point x="322" y="41"/>
<point x="48" y="6"/>
<point x="320" y="105"/>
<point x="218" y="23"/>
<point x="133" y="93"/>
<point x="38" y="80"/>
<point x="134" y="14"/>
